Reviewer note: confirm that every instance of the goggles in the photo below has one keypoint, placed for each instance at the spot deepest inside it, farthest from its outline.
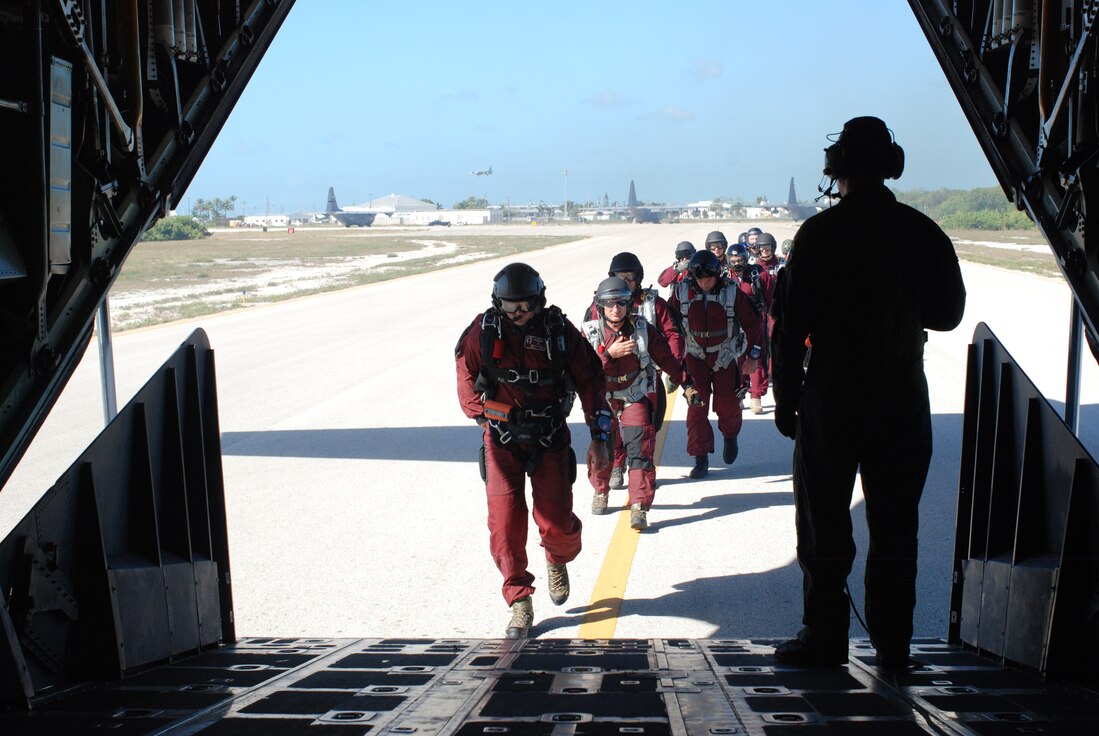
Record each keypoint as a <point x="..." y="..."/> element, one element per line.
<point x="608" y="303"/>
<point x="704" y="273"/>
<point x="509" y="307"/>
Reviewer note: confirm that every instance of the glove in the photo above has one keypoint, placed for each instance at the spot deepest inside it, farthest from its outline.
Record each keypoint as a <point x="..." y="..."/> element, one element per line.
<point x="690" y="393"/>
<point x="681" y="266"/>
<point x="670" y="384"/>
<point x="787" y="421"/>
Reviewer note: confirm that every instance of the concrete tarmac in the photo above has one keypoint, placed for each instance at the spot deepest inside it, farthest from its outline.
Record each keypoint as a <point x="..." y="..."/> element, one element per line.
<point x="354" y="503"/>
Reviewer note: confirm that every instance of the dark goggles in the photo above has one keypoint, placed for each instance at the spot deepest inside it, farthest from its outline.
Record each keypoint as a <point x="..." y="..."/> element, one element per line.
<point x="510" y="307"/>
<point x="607" y="303"/>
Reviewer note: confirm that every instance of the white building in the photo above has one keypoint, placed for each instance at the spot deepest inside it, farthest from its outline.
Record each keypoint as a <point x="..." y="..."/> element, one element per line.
<point x="267" y="221"/>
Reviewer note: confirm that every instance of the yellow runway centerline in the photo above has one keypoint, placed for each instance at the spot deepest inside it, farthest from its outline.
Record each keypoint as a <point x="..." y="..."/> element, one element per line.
<point x="610" y="587"/>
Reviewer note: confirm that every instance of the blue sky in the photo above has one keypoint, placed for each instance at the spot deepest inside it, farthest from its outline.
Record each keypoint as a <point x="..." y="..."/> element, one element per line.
<point x="692" y="100"/>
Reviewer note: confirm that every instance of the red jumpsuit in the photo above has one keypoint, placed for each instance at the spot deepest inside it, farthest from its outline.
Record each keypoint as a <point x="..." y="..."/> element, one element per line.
<point x="638" y="433"/>
<point x="665" y="322"/>
<point x="525" y="350"/>
<point x="708" y="323"/>
<point x="761" y="375"/>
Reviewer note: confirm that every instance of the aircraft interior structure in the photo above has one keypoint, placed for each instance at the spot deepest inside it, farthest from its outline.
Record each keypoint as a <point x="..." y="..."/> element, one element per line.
<point x="116" y="605"/>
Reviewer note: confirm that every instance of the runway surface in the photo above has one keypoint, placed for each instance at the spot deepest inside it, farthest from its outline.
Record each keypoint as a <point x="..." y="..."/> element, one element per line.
<point x="356" y="510"/>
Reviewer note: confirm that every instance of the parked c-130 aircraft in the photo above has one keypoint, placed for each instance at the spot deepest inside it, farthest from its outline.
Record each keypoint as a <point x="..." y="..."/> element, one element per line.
<point x="358" y="216"/>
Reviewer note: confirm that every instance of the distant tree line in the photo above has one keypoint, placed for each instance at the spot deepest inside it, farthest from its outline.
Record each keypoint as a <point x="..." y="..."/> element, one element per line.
<point x="968" y="209"/>
<point x="179" y="227"/>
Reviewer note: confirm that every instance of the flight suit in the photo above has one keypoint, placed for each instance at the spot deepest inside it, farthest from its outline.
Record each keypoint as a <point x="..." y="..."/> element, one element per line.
<point x="638" y="433"/>
<point x="870" y="333"/>
<point x="506" y="462"/>
<point x="707" y="320"/>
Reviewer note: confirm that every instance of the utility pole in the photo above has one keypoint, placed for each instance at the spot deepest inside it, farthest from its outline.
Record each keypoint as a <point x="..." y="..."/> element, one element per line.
<point x="566" y="194"/>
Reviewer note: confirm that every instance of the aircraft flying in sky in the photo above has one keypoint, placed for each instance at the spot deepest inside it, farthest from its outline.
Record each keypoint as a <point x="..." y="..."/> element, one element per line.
<point x="484" y="172"/>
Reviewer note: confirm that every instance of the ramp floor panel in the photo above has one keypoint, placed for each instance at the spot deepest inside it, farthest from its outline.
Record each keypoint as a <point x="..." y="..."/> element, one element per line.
<point x="555" y="687"/>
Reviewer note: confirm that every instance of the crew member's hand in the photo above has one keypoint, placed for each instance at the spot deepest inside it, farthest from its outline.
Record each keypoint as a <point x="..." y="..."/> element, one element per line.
<point x="750" y="365"/>
<point x="599" y="455"/>
<point x="669" y="384"/>
<point x="681" y="266"/>
<point x="786" y="420"/>
<point x="690" y="393"/>
<point x="621" y="347"/>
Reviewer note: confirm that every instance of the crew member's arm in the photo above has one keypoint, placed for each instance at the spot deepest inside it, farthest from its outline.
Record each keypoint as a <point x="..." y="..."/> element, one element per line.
<point x="944" y="302"/>
<point x="787" y="360"/>
<point x="668" y="276"/>
<point x="467" y="363"/>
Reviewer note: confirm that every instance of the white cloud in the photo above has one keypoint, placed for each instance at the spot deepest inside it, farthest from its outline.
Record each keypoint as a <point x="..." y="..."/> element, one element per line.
<point x="668" y="113"/>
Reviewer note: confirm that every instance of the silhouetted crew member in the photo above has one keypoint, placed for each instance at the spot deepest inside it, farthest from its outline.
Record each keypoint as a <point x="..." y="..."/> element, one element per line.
<point x="649" y="304"/>
<point x="676" y="272"/>
<point x="518" y="365"/>
<point x="870" y="333"/>
<point x="719" y="325"/>
<point x="631" y="349"/>
<point x="767" y="265"/>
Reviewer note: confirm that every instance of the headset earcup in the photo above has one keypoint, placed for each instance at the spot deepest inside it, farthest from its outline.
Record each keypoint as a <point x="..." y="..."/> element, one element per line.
<point x="835" y="162"/>
<point x="898" y="162"/>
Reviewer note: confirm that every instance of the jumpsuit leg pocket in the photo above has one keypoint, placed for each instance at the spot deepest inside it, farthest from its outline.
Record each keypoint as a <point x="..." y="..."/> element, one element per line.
<point x="572" y="466"/>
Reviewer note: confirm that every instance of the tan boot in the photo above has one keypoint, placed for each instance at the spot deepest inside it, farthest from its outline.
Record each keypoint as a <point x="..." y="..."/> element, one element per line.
<point x="618" y="479"/>
<point x="757" y="405"/>
<point x="558" y="576"/>
<point x="638" y="518"/>
<point x="522" y="618"/>
<point x="599" y="504"/>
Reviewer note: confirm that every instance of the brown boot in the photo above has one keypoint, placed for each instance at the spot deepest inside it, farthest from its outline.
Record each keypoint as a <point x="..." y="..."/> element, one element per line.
<point x="599" y="503"/>
<point x="522" y="618"/>
<point x="558" y="576"/>
<point x="638" y="518"/>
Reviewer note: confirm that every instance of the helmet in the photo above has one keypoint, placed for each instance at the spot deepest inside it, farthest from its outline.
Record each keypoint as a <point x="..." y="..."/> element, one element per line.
<point x="787" y="246"/>
<point x="626" y="262"/>
<point x="704" y="263"/>
<point x="612" y="289"/>
<point x="685" y="248"/>
<point x="766" y="240"/>
<point x="518" y="282"/>
<point x="716" y="236"/>
<point x="753" y="231"/>
<point x="737" y="249"/>
<point x="742" y="238"/>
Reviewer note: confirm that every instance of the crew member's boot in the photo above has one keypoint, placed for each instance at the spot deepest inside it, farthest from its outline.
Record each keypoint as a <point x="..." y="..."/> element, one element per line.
<point x="558" y="576"/>
<point x="617" y="477"/>
<point x="730" y="450"/>
<point x="757" y="405"/>
<point x="701" y="468"/>
<point x="599" y="503"/>
<point x="522" y="618"/>
<point x="638" y="517"/>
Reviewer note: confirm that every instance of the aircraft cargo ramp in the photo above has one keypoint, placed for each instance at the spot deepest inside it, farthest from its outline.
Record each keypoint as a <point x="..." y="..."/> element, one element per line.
<point x="117" y="597"/>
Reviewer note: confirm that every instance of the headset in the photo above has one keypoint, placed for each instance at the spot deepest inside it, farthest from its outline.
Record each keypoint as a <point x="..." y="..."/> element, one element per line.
<point x="857" y="150"/>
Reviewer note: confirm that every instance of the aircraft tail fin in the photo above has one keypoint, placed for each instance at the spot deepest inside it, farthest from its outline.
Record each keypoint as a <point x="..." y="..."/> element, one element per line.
<point x="332" y="206"/>
<point x="793" y="198"/>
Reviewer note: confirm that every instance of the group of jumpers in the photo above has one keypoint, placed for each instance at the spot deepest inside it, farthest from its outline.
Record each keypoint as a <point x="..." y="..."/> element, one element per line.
<point x="732" y="311"/>
<point x="521" y="364"/>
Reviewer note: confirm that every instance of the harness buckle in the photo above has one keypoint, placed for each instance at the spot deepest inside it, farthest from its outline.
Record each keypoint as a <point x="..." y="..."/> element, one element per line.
<point x="515" y="376"/>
